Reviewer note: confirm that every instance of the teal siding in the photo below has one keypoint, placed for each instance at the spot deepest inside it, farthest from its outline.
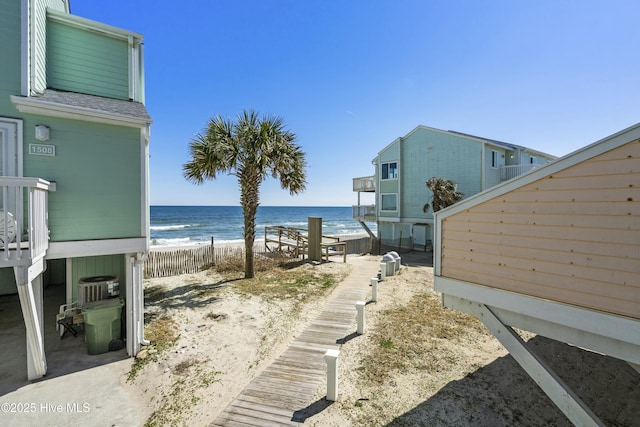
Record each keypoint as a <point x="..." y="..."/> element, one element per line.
<point x="491" y="174"/>
<point x="55" y="274"/>
<point x="86" y="62"/>
<point x="426" y="154"/>
<point x="390" y="153"/>
<point x="7" y="281"/>
<point x="390" y="233"/>
<point x="10" y="48"/>
<point x="97" y="170"/>
<point x="98" y="266"/>
<point x="39" y="35"/>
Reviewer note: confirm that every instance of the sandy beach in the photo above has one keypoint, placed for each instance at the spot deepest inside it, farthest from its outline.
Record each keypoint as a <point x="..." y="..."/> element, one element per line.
<point x="226" y="338"/>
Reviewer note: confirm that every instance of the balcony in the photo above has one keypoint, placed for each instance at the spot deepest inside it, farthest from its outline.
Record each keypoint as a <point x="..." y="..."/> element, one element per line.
<point x="24" y="231"/>
<point x="364" y="213"/>
<point x="365" y="184"/>
<point x="513" y="171"/>
<point x="89" y="57"/>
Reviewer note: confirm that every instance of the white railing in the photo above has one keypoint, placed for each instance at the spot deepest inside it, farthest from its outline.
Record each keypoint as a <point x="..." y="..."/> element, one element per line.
<point x="24" y="233"/>
<point x="364" y="212"/>
<point x="366" y="183"/>
<point x="512" y="171"/>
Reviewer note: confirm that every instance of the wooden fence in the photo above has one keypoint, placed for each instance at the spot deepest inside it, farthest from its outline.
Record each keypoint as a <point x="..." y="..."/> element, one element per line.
<point x="173" y="262"/>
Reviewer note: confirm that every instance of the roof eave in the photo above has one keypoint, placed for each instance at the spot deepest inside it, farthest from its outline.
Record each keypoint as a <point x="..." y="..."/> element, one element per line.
<point x="53" y="109"/>
<point x="601" y="146"/>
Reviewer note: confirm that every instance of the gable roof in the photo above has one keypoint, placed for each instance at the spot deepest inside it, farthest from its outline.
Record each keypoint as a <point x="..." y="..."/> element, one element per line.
<point x="501" y="144"/>
<point x="602" y="146"/>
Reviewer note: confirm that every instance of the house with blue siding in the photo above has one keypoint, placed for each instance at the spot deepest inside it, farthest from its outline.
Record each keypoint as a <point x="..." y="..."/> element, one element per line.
<point x="403" y="167"/>
<point x="74" y="134"/>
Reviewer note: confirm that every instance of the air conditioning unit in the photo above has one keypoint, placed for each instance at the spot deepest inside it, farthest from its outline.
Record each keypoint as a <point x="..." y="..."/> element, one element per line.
<point x="97" y="288"/>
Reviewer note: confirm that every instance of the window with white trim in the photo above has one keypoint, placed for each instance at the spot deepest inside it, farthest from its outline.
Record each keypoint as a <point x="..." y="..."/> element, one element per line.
<point x="494" y="159"/>
<point x="390" y="170"/>
<point x="389" y="202"/>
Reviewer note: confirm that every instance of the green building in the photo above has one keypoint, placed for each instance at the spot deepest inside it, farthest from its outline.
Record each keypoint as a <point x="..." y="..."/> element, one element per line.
<point x="74" y="134"/>
<point x="403" y="167"/>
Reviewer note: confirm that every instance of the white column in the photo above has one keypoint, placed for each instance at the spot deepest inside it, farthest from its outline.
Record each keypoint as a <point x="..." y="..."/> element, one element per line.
<point x="331" y="359"/>
<point x="361" y="320"/>
<point x="374" y="289"/>
<point x="130" y="303"/>
<point x="36" y="361"/>
<point x="383" y="270"/>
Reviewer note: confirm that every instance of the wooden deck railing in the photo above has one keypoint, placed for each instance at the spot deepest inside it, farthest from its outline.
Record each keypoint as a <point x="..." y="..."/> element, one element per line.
<point x="172" y="262"/>
<point x="364" y="184"/>
<point x="364" y="213"/>
<point x="24" y="233"/>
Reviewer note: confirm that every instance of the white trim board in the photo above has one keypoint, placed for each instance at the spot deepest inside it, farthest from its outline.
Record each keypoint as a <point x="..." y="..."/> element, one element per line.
<point x="81" y="248"/>
<point x="601" y="332"/>
<point x="52" y="109"/>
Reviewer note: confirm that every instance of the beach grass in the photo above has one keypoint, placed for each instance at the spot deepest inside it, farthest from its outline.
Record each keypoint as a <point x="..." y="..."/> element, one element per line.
<point x="405" y="333"/>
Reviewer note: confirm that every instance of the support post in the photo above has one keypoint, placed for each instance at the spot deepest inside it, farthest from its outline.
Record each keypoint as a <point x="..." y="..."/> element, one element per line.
<point x="331" y="359"/>
<point x="361" y="320"/>
<point x="315" y="238"/>
<point x="374" y="289"/>
<point x="559" y="392"/>
<point x="31" y="312"/>
<point x="383" y="270"/>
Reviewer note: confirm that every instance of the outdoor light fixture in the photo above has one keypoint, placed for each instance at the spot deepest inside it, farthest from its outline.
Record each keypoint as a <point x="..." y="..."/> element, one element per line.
<point x="42" y="133"/>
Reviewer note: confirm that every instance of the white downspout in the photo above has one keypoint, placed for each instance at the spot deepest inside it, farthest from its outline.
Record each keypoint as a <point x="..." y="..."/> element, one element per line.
<point x="135" y="304"/>
<point x="482" y="177"/>
<point x="140" y="260"/>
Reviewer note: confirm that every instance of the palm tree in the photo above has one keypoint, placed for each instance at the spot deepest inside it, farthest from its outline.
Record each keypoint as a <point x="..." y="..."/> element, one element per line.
<point x="252" y="149"/>
<point x="444" y="194"/>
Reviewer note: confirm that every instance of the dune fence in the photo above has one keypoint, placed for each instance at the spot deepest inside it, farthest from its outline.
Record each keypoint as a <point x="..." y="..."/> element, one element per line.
<point x="173" y="262"/>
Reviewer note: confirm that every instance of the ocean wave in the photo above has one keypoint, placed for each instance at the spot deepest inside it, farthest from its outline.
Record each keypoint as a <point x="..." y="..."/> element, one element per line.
<point x="191" y="242"/>
<point x="168" y="227"/>
<point x="184" y="241"/>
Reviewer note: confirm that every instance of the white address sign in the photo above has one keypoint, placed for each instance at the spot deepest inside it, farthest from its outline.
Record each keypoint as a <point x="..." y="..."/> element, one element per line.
<point x="42" y="149"/>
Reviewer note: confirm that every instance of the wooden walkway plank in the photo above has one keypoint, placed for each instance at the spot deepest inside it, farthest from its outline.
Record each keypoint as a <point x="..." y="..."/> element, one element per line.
<point x="291" y="383"/>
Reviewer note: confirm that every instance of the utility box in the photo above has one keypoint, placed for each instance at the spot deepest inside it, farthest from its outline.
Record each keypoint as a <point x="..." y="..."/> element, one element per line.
<point x="102" y="324"/>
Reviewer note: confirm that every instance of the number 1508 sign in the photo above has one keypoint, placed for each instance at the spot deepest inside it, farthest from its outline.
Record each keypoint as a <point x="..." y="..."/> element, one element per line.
<point x="42" y="149"/>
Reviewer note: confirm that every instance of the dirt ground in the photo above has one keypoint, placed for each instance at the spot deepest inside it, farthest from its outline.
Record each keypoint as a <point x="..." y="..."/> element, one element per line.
<point x="225" y="339"/>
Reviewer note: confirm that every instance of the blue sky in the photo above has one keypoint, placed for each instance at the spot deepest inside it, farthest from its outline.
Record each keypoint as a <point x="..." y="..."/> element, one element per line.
<point x="349" y="77"/>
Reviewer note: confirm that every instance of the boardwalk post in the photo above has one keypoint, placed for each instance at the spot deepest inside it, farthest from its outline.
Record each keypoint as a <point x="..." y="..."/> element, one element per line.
<point x="315" y="238"/>
<point x="331" y="359"/>
<point x="383" y="270"/>
<point x="374" y="289"/>
<point x="361" y="321"/>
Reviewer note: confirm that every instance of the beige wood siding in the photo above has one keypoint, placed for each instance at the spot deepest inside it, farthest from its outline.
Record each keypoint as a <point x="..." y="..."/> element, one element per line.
<point x="571" y="237"/>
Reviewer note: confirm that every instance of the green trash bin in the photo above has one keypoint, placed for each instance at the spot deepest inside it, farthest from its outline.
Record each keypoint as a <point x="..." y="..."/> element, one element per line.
<point x="102" y="324"/>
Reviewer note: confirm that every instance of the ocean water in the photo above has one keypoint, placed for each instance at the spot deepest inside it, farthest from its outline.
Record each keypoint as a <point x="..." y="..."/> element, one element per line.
<point x="193" y="225"/>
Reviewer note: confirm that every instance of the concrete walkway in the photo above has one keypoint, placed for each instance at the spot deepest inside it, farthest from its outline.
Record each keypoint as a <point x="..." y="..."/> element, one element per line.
<point x="285" y="392"/>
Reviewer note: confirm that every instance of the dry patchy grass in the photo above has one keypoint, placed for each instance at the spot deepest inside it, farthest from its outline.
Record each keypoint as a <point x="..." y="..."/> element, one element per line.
<point x="405" y="334"/>
<point x="163" y="334"/>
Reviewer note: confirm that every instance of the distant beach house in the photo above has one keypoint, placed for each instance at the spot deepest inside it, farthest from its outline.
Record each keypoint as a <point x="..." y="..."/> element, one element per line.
<point x="403" y="167"/>
<point x="74" y="135"/>
<point x="555" y="252"/>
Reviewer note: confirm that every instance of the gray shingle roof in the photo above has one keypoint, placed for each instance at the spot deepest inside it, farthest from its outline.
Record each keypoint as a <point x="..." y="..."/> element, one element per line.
<point x="98" y="103"/>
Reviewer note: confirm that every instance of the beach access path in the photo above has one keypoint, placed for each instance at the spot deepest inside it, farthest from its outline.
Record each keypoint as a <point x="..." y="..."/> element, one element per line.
<point x="286" y="392"/>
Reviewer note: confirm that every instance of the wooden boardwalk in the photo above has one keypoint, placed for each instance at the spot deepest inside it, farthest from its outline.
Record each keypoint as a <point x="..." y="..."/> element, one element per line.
<point x="283" y="394"/>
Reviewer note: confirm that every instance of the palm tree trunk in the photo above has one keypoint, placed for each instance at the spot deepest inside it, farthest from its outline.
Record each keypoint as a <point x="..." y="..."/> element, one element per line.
<point x="249" y="200"/>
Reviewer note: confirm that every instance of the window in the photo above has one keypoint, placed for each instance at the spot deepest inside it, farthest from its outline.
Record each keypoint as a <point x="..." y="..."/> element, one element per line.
<point x="390" y="170"/>
<point x="533" y="160"/>
<point x="494" y="159"/>
<point x="389" y="202"/>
